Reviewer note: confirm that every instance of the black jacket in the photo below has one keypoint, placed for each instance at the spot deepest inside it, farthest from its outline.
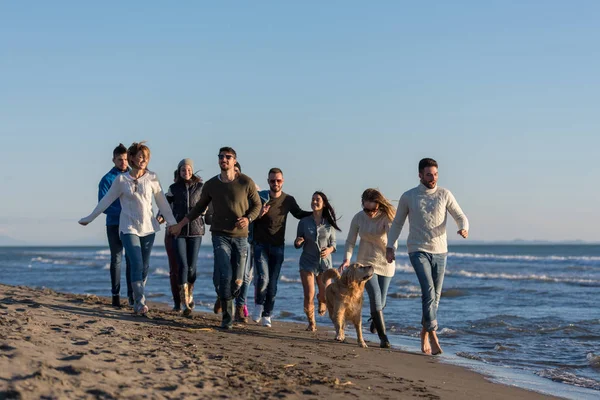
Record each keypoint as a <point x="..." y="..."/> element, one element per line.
<point x="183" y="198"/>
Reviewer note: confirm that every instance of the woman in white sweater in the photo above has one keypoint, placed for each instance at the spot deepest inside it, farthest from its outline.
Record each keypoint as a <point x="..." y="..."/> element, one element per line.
<point x="137" y="224"/>
<point x="373" y="224"/>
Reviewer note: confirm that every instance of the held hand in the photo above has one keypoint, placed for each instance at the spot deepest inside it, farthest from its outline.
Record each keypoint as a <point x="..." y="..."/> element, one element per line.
<point x="298" y="242"/>
<point x="390" y="254"/>
<point x="464" y="233"/>
<point x="242" y="223"/>
<point x="82" y="222"/>
<point x="160" y="219"/>
<point x="175" y="229"/>
<point x="264" y="210"/>
<point x="326" y="251"/>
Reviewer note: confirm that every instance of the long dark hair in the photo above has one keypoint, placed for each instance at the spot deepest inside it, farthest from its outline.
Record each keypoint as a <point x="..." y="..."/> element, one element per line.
<point x="328" y="211"/>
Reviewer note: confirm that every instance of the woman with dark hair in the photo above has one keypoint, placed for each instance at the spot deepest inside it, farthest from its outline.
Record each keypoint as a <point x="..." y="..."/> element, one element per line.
<point x="137" y="224"/>
<point x="183" y="196"/>
<point x="373" y="224"/>
<point x="316" y="236"/>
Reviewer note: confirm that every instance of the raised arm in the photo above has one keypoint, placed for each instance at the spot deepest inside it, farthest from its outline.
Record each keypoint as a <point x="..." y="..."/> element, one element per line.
<point x="113" y="194"/>
<point x="296" y="211"/>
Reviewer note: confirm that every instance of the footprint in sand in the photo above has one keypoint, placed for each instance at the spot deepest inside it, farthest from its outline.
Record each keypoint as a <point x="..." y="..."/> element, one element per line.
<point x="74" y="357"/>
<point x="81" y="343"/>
<point x="69" y="370"/>
<point x="101" y="394"/>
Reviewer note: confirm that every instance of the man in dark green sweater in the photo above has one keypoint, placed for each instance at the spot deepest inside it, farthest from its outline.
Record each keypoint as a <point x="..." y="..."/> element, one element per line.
<point x="235" y="204"/>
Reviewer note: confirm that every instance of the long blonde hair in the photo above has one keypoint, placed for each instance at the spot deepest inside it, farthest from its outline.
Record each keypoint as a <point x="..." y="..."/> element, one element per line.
<point x="385" y="206"/>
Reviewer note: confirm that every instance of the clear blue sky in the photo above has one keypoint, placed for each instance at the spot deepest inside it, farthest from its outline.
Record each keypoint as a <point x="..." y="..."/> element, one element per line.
<point x="341" y="95"/>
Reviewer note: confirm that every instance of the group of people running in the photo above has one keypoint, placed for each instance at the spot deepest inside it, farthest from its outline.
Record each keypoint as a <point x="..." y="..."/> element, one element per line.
<point x="248" y="237"/>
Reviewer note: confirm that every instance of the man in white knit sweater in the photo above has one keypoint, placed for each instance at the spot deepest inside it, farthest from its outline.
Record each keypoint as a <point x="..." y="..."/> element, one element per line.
<point x="426" y="207"/>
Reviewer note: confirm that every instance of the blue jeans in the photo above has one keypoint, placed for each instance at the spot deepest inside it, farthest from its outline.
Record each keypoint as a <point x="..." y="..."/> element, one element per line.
<point x="377" y="288"/>
<point x="186" y="252"/>
<point x="248" y="275"/>
<point x="430" y="270"/>
<point x="116" y="256"/>
<point x="139" y="249"/>
<point x="230" y="258"/>
<point x="268" y="261"/>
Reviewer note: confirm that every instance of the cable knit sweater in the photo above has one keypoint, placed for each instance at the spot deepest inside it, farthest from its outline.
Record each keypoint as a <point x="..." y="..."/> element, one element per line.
<point x="427" y="215"/>
<point x="373" y="241"/>
<point x="136" y="216"/>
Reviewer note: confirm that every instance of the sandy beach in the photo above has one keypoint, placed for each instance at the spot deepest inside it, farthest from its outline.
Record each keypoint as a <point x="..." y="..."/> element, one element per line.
<point x="55" y="345"/>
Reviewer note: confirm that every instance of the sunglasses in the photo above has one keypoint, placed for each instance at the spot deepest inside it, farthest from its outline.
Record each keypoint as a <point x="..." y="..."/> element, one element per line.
<point x="275" y="180"/>
<point x="369" y="210"/>
<point x="227" y="156"/>
<point x="135" y="185"/>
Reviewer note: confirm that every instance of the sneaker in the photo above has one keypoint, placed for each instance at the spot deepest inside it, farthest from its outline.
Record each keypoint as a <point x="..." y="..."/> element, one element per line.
<point x="258" y="310"/>
<point x="116" y="301"/>
<point x="245" y="311"/>
<point x="266" y="321"/>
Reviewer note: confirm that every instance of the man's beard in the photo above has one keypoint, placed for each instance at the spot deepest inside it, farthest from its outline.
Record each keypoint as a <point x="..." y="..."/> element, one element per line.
<point x="429" y="185"/>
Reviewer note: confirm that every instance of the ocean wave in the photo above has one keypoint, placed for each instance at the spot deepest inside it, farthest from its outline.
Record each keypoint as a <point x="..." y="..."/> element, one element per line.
<point x="404" y="267"/>
<point x="452" y="293"/>
<point x="161" y="272"/>
<point x="524" y="277"/>
<point x="516" y="257"/>
<point x="447" y="332"/>
<point x="563" y="376"/>
<point x="470" y="356"/>
<point x="284" y="278"/>
<point x="41" y="260"/>
<point x="593" y="360"/>
<point x="103" y="252"/>
<point x="399" y="295"/>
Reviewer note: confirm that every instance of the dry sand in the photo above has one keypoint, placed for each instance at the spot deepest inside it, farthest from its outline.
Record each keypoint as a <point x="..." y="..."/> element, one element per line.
<point x="55" y="345"/>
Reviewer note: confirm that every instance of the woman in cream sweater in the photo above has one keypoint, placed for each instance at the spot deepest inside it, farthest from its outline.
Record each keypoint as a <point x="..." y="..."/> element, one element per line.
<point x="137" y="224"/>
<point x="373" y="224"/>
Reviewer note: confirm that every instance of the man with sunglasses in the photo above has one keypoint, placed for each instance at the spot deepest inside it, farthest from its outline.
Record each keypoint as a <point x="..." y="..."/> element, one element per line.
<point x="235" y="204"/>
<point x="269" y="244"/>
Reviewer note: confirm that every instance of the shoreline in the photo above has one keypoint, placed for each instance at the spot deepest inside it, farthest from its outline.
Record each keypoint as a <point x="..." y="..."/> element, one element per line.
<point x="66" y="345"/>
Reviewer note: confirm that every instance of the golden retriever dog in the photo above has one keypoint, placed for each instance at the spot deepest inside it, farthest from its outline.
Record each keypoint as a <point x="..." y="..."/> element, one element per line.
<point x="344" y="298"/>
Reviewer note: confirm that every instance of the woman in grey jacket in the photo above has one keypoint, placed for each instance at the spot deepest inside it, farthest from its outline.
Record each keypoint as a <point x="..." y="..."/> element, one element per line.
<point x="316" y="236"/>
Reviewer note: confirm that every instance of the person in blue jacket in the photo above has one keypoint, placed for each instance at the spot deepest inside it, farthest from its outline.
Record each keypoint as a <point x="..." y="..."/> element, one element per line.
<point x="112" y="227"/>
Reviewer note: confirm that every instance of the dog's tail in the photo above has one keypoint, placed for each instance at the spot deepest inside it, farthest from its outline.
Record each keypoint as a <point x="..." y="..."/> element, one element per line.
<point x="331" y="273"/>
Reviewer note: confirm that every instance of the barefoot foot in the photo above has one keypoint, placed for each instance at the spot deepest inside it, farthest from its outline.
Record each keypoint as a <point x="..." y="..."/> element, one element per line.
<point x="425" y="345"/>
<point x="435" y="344"/>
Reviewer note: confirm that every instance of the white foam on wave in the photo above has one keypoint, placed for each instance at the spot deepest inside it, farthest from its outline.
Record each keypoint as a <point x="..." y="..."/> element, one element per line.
<point x="523" y="277"/>
<point x="284" y="278"/>
<point x="593" y="360"/>
<point x="569" y="378"/>
<point x="404" y="267"/>
<point x="516" y="257"/>
<point x="103" y="252"/>
<point x="161" y="272"/>
<point x="106" y="266"/>
<point x="41" y="260"/>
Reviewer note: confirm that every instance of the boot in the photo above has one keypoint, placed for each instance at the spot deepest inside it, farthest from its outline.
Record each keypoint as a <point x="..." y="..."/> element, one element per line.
<point x="183" y="295"/>
<point x="116" y="301"/>
<point x="217" y="308"/>
<point x="139" y="301"/>
<point x="191" y="296"/>
<point x="239" y="315"/>
<point x="310" y="315"/>
<point x="227" y="321"/>
<point x="380" y="327"/>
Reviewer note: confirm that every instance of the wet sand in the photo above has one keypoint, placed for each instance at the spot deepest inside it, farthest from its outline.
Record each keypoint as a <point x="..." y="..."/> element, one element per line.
<point x="55" y="345"/>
